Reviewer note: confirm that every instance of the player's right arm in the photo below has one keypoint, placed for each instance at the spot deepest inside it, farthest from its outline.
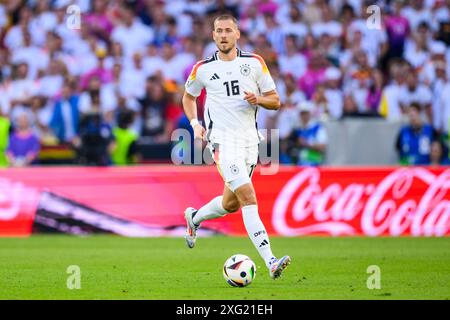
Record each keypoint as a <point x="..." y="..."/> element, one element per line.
<point x="190" y="109"/>
<point x="193" y="88"/>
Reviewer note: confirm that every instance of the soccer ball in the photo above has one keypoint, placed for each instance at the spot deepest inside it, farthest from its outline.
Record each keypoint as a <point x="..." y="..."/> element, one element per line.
<point x="239" y="270"/>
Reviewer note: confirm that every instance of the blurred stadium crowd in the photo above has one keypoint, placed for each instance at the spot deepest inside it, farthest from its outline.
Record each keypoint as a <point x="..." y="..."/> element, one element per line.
<point x="97" y="94"/>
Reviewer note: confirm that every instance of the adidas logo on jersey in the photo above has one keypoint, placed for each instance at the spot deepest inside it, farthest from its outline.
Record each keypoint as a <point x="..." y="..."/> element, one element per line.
<point x="215" y="77"/>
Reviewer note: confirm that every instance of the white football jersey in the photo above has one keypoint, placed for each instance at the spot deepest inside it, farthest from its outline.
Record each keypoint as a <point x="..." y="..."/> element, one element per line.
<point x="230" y="119"/>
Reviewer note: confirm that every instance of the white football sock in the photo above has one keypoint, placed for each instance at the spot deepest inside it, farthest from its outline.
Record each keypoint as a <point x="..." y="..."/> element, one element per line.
<point x="257" y="233"/>
<point x="211" y="210"/>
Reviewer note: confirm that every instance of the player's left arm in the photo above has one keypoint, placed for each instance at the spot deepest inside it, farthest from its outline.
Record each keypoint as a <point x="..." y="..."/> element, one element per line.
<point x="268" y="100"/>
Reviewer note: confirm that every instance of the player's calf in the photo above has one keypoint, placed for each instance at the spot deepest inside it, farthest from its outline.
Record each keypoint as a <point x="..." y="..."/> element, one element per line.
<point x="231" y="206"/>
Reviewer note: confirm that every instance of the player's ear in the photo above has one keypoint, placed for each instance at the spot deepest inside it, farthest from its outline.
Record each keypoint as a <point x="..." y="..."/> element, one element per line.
<point x="238" y="33"/>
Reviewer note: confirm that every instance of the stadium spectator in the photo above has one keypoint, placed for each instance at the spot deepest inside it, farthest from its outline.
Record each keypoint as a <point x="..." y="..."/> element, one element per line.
<point x="314" y="74"/>
<point x="293" y="24"/>
<point x="98" y="20"/>
<point x="66" y="116"/>
<point x="132" y="78"/>
<point x="417" y="49"/>
<point x="40" y="111"/>
<point x="374" y="38"/>
<point x="125" y="146"/>
<point x="96" y="141"/>
<point x="415" y="92"/>
<point x="131" y="33"/>
<point x="438" y="87"/>
<point x="174" y="109"/>
<point x="52" y="80"/>
<point x="374" y="91"/>
<point x="321" y="104"/>
<point x="363" y="82"/>
<point x="159" y="25"/>
<point x="125" y="105"/>
<point x="4" y="139"/>
<point x="5" y="67"/>
<point x="265" y="50"/>
<point x="23" y="145"/>
<point x="34" y="56"/>
<point x="117" y="83"/>
<point x="172" y="64"/>
<point x="389" y="106"/>
<point x="153" y="109"/>
<point x="115" y="55"/>
<point x="21" y="89"/>
<point x="346" y="16"/>
<point x="445" y="106"/>
<point x="309" y="139"/>
<point x="287" y="116"/>
<point x="328" y="26"/>
<point x="309" y="45"/>
<point x="14" y="37"/>
<point x="312" y="12"/>
<point x="442" y="20"/>
<point x="416" y="12"/>
<point x="292" y="62"/>
<point x="274" y="33"/>
<point x="437" y="155"/>
<point x="415" y="139"/>
<point x="333" y="92"/>
<point x="222" y="7"/>
<point x="100" y="71"/>
<point x="397" y="28"/>
<point x="98" y="98"/>
<point x="350" y="108"/>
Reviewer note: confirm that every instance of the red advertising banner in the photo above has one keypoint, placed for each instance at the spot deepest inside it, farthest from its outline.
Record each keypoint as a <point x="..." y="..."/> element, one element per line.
<point x="18" y="204"/>
<point x="150" y="200"/>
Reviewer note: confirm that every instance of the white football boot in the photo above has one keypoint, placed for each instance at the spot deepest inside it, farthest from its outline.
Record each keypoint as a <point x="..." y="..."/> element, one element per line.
<point x="191" y="228"/>
<point x="277" y="267"/>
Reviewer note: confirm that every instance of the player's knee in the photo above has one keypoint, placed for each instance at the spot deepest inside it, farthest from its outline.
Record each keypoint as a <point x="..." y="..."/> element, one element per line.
<point x="247" y="198"/>
<point x="231" y="205"/>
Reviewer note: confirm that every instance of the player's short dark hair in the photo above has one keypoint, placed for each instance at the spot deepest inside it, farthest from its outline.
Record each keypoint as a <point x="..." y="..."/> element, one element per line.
<point x="223" y="17"/>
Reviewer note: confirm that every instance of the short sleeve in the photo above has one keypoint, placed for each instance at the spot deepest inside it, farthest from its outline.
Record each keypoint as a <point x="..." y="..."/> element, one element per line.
<point x="264" y="79"/>
<point x="193" y="84"/>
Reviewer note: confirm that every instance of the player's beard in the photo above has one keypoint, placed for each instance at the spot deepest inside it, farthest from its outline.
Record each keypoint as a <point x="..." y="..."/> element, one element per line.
<point x="225" y="50"/>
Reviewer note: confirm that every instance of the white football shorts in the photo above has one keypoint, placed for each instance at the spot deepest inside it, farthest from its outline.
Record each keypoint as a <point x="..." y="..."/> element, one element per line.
<point x="235" y="164"/>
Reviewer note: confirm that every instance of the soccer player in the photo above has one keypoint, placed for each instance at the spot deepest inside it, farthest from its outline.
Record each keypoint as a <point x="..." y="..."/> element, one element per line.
<point x="237" y="83"/>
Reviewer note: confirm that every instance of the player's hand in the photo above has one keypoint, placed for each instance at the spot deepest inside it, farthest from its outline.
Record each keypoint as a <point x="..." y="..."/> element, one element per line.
<point x="251" y="98"/>
<point x="199" y="132"/>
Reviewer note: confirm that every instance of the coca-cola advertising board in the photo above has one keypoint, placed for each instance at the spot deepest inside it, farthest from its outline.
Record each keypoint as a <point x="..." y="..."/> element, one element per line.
<point x="296" y="201"/>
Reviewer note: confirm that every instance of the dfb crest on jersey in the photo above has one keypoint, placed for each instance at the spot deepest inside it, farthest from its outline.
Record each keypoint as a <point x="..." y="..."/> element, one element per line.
<point x="245" y="69"/>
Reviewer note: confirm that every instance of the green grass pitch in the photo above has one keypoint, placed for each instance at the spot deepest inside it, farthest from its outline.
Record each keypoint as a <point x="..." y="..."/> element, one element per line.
<point x="164" y="268"/>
